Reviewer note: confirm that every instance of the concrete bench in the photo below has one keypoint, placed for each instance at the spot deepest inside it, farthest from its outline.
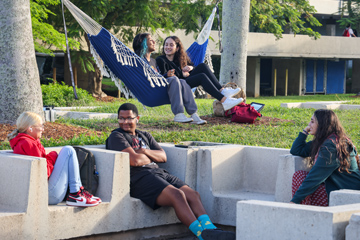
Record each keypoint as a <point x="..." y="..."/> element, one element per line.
<point x="84" y="115"/>
<point x="353" y="229"/>
<point x="256" y="219"/>
<point x="288" y="165"/>
<point x="322" y="105"/>
<point x="181" y="162"/>
<point x="343" y="197"/>
<point x="25" y="213"/>
<point x="230" y="173"/>
<point x="285" y="221"/>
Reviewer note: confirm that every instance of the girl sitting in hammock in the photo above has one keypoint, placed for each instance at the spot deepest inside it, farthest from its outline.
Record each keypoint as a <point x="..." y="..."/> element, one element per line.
<point x="333" y="156"/>
<point x="180" y="93"/>
<point x="176" y="62"/>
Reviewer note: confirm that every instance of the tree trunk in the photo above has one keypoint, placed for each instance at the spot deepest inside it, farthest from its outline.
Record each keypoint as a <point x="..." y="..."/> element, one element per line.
<point x="95" y="83"/>
<point x="95" y="78"/>
<point x="19" y="77"/>
<point x="235" y="24"/>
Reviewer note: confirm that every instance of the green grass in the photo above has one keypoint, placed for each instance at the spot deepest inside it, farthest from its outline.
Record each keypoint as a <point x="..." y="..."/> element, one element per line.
<point x="108" y="84"/>
<point x="158" y="121"/>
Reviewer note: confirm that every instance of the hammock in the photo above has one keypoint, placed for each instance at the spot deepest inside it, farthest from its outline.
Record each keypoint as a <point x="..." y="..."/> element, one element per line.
<point x="199" y="51"/>
<point x="124" y="67"/>
<point x="118" y="62"/>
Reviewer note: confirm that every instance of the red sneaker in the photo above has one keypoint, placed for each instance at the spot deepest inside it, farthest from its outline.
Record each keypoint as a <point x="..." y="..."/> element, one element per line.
<point x="80" y="200"/>
<point x="88" y="194"/>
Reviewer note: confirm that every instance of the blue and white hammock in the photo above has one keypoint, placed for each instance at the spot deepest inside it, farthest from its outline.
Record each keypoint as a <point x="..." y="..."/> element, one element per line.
<point x="124" y="67"/>
<point x="199" y="51"/>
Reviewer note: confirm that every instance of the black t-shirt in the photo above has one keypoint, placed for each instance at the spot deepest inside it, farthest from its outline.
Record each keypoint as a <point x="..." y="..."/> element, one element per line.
<point x="164" y="65"/>
<point x="118" y="142"/>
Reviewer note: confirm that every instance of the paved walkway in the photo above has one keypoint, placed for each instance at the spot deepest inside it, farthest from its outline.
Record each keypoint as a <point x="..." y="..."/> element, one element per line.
<point x="322" y="105"/>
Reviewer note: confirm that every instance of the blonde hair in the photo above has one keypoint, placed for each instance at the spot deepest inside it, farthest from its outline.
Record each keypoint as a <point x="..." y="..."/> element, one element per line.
<point x="24" y="121"/>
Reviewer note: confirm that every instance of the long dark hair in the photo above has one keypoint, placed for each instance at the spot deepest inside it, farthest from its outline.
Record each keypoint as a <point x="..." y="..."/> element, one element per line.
<point x="180" y="55"/>
<point x="140" y="44"/>
<point x="329" y="124"/>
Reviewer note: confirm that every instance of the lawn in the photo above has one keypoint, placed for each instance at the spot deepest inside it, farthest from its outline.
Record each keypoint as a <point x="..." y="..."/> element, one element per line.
<point x="158" y="121"/>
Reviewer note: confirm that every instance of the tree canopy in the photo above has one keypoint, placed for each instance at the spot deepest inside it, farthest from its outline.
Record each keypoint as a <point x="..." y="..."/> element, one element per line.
<point x="350" y="14"/>
<point x="126" y="18"/>
<point x="45" y="35"/>
<point x="270" y="16"/>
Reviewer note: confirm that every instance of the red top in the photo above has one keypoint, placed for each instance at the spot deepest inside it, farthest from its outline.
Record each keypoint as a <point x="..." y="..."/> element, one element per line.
<point x="27" y="145"/>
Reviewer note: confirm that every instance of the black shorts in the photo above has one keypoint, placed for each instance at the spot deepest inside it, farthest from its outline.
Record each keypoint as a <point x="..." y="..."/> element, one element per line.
<point x="147" y="184"/>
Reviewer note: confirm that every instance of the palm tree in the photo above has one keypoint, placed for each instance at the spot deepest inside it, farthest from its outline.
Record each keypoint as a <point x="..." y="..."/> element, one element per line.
<point x="19" y="77"/>
<point x="235" y="33"/>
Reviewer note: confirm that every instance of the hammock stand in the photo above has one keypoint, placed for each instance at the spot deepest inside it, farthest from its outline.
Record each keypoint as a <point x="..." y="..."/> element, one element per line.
<point x="124" y="67"/>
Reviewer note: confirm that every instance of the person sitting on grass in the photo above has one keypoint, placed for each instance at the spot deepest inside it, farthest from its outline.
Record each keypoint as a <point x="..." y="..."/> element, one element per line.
<point x="154" y="185"/>
<point x="62" y="168"/>
<point x="333" y="156"/>
<point x="179" y="91"/>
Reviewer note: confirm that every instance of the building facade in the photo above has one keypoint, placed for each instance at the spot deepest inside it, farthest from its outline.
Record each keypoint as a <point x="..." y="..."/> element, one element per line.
<point x="298" y="65"/>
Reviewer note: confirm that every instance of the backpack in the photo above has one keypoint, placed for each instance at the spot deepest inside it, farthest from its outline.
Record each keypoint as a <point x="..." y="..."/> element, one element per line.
<point x="346" y="33"/>
<point x="243" y="113"/>
<point x="88" y="173"/>
<point x="129" y="138"/>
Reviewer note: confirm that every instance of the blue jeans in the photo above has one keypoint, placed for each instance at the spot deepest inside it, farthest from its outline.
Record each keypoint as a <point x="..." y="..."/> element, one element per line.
<point x="66" y="173"/>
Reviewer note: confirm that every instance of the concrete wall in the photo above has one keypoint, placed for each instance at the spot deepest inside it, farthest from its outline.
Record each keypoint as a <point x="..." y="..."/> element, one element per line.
<point x="329" y="7"/>
<point x="253" y="77"/>
<point x="301" y="46"/>
<point x="284" y="221"/>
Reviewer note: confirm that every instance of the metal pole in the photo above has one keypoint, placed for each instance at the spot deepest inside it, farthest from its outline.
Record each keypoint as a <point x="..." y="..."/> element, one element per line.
<point x="54" y="75"/>
<point x="286" y="81"/>
<point x="68" y="52"/>
<point x="275" y="82"/>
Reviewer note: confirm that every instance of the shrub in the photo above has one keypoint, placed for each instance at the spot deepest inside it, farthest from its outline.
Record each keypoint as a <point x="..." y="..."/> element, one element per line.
<point x="61" y="95"/>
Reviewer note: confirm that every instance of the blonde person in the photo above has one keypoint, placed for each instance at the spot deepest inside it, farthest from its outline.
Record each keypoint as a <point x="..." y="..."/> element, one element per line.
<point x="62" y="168"/>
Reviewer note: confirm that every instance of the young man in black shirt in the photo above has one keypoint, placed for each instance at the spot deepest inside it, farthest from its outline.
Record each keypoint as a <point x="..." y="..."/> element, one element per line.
<point x="154" y="185"/>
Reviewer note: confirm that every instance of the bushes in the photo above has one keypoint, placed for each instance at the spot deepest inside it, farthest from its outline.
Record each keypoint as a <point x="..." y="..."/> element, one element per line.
<point x="61" y="95"/>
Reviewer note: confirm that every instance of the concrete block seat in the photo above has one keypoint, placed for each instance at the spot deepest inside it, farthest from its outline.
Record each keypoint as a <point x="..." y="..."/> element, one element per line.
<point x="322" y="105"/>
<point x="353" y="229"/>
<point x="230" y="173"/>
<point x="25" y="213"/>
<point x="288" y="165"/>
<point x="258" y="219"/>
<point x="19" y="187"/>
<point x="343" y="197"/>
<point x="285" y="221"/>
